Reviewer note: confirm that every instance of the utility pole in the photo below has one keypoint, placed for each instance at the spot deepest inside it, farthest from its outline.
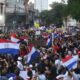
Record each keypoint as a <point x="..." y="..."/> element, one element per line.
<point x="15" y="15"/>
<point x="26" y="8"/>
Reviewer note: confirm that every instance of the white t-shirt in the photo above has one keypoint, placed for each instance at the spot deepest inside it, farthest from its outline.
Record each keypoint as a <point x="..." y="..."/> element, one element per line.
<point x="58" y="63"/>
<point x="74" y="77"/>
<point x="41" y="77"/>
<point x="67" y="77"/>
<point x="19" y="65"/>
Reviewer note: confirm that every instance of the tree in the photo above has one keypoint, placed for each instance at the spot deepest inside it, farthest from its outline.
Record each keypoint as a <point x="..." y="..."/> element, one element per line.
<point x="59" y="11"/>
<point x="74" y="8"/>
<point x="55" y="15"/>
<point x="45" y="16"/>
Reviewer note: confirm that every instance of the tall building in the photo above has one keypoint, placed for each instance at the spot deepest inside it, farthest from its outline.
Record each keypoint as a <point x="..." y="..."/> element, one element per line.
<point x="2" y="13"/>
<point x="15" y="13"/>
<point x="41" y="5"/>
<point x="15" y="5"/>
<point x="12" y="13"/>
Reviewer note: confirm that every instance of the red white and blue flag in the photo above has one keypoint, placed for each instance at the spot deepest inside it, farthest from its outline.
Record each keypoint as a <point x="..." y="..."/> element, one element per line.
<point x="18" y="40"/>
<point x="70" y="62"/>
<point x="7" y="46"/>
<point x="14" y="38"/>
<point x="49" y="42"/>
<point x="32" y="55"/>
<point x="45" y="35"/>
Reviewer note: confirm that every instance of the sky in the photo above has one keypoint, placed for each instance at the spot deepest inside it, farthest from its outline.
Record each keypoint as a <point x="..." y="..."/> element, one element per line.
<point x="49" y="2"/>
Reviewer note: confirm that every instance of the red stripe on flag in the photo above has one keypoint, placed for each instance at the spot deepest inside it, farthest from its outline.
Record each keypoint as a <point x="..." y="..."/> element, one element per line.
<point x="67" y="58"/>
<point x="5" y="41"/>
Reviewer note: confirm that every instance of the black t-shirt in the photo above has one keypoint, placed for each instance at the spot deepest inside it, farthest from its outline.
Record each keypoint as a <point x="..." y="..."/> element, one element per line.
<point x="53" y="74"/>
<point x="41" y="67"/>
<point x="77" y="71"/>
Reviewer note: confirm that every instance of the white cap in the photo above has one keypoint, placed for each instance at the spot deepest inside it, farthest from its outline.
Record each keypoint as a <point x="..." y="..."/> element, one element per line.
<point x="30" y="66"/>
<point x="19" y="58"/>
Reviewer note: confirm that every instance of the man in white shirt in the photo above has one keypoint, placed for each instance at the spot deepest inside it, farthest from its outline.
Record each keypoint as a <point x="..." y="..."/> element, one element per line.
<point x="41" y="77"/>
<point x="19" y="63"/>
<point x="67" y="76"/>
<point x="71" y="76"/>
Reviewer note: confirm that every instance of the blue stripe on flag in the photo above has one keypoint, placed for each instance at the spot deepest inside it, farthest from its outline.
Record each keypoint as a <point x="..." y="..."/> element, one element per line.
<point x="50" y="43"/>
<point x="71" y="65"/>
<point x="55" y="35"/>
<point x="34" y="56"/>
<point x="9" y="51"/>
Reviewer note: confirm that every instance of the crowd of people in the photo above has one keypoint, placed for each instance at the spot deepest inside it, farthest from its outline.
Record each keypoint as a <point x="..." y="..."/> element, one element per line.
<point x="47" y="66"/>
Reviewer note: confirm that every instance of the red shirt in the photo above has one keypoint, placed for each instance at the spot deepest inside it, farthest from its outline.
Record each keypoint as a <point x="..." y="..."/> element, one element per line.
<point x="23" y="52"/>
<point x="55" y="48"/>
<point x="79" y="52"/>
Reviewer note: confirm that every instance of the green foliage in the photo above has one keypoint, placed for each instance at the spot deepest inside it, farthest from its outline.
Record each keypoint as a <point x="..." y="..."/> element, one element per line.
<point x="74" y="8"/>
<point x="55" y="15"/>
<point x="60" y="11"/>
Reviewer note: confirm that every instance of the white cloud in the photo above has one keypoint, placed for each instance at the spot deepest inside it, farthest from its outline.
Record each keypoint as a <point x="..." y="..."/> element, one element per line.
<point x="49" y="2"/>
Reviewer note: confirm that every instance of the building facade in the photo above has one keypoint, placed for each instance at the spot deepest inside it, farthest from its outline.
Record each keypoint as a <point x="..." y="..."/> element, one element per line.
<point x="2" y="13"/>
<point x="12" y="5"/>
<point x="15" y="13"/>
<point x="12" y="12"/>
<point x="41" y="5"/>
